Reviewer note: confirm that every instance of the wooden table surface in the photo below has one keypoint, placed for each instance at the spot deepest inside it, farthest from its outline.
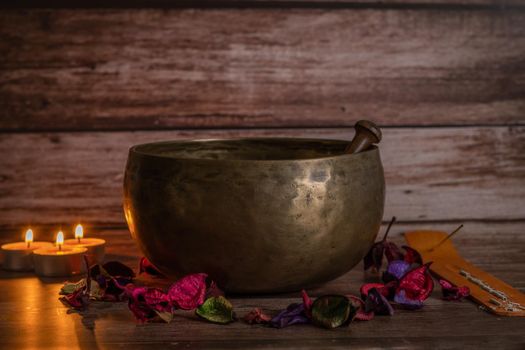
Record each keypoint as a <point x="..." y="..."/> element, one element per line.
<point x="31" y="316"/>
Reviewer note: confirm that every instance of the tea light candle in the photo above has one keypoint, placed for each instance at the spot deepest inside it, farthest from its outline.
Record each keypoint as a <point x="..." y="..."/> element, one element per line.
<point x="59" y="260"/>
<point x="19" y="256"/>
<point x="95" y="246"/>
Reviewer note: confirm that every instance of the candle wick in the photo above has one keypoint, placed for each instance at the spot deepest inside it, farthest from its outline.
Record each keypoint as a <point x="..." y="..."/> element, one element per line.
<point x="28" y="244"/>
<point x="60" y="247"/>
<point x="78" y="238"/>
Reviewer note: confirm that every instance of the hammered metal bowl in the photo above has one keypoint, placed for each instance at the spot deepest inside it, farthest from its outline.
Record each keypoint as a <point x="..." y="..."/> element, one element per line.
<point x="258" y="215"/>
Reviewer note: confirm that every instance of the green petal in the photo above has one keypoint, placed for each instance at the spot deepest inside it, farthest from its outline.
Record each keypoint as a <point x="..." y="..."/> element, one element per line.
<point x="216" y="310"/>
<point x="165" y="316"/>
<point x="95" y="292"/>
<point x="331" y="311"/>
<point x="70" y="287"/>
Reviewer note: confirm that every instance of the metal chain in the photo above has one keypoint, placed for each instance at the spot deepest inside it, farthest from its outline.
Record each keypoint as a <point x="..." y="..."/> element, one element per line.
<point x="504" y="300"/>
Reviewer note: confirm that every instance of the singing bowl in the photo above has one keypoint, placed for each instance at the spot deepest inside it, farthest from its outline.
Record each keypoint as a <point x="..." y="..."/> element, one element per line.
<point x="258" y="215"/>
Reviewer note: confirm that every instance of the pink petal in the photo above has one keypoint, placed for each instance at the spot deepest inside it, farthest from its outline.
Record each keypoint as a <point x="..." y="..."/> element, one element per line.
<point x="412" y="256"/>
<point x="307" y="302"/>
<point x="365" y="288"/>
<point x="189" y="292"/>
<point x="157" y="299"/>
<point x="256" y="316"/>
<point x="361" y="315"/>
<point x="451" y="292"/>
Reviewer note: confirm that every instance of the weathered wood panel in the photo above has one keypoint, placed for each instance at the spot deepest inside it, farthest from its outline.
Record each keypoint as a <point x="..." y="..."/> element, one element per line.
<point x="431" y="173"/>
<point x="439" y="324"/>
<point x="393" y="4"/>
<point x="127" y="69"/>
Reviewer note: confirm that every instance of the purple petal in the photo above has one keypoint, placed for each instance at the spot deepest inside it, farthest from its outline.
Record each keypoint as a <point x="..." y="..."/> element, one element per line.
<point x="377" y="303"/>
<point x="401" y="299"/>
<point x="396" y="269"/>
<point x="293" y="314"/>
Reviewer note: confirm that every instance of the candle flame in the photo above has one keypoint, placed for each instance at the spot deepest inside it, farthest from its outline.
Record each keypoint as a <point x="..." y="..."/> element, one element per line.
<point x="60" y="239"/>
<point x="29" y="237"/>
<point x="79" y="232"/>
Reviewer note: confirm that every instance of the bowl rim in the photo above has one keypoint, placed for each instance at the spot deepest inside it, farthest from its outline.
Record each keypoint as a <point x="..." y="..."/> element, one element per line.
<point x="135" y="149"/>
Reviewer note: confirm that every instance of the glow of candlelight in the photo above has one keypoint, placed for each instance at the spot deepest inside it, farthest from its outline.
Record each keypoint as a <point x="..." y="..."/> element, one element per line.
<point x="60" y="240"/>
<point x="79" y="232"/>
<point x="29" y="237"/>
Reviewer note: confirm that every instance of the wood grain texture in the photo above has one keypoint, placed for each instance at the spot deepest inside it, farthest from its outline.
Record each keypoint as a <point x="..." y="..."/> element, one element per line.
<point x="187" y="68"/>
<point x="431" y="173"/>
<point x="499" y="247"/>
<point x="390" y="4"/>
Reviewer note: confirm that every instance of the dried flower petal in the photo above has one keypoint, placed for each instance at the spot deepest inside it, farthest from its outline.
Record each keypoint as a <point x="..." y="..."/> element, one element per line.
<point x="410" y="304"/>
<point x="374" y="257"/>
<point x="361" y="314"/>
<point x="377" y="303"/>
<point x="451" y="292"/>
<point x="118" y="269"/>
<point x="417" y="284"/>
<point x="189" y="292"/>
<point x="412" y="256"/>
<point x="145" y="266"/>
<point x="141" y="311"/>
<point x="79" y="299"/>
<point x="71" y="287"/>
<point x="365" y="288"/>
<point x="166" y="316"/>
<point x="293" y="314"/>
<point x="157" y="300"/>
<point x="148" y="304"/>
<point x="113" y="290"/>
<point x="212" y="289"/>
<point x="396" y="269"/>
<point x="332" y="311"/>
<point x="256" y="316"/>
<point x="307" y="303"/>
<point x="216" y="310"/>
<point x="392" y="252"/>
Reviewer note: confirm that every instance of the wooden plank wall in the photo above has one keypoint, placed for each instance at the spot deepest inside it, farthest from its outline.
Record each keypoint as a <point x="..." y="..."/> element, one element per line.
<point x="445" y="79"/>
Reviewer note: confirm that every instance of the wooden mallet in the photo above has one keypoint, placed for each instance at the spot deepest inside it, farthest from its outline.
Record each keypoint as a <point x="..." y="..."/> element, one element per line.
<point x="366" y="134"/>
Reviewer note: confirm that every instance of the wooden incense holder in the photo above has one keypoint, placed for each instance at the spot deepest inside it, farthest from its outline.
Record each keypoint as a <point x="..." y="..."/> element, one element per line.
<point x="495" y="295"/>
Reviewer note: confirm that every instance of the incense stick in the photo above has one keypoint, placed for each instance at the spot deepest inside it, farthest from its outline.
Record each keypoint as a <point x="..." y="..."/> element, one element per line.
<point x="446" y="238"/>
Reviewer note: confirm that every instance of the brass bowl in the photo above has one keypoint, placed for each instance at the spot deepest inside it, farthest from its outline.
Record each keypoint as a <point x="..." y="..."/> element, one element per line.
<point x="258" y="215"/>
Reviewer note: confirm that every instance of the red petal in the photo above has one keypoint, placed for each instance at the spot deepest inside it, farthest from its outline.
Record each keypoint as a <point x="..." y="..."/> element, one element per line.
<point x="451" y="292"/>
<point x="189" y="292"/>
<point x="307" y="302"/>
<point x="145" y="266"/>
<point x="392" y="252"/>
<point x="365" y="288"/>
<point x="256" y="316"/>
<point x="417" y="284"/>
<point x="361" y="315"/>
<point x="412" y="256"/>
